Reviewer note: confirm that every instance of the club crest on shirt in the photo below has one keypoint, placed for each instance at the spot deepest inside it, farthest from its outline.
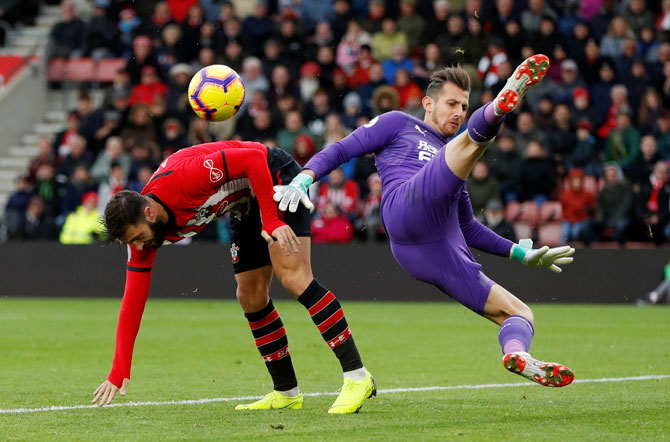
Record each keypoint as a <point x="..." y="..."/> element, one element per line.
<point x="214" y="173"/>
<point x="426" y="151"/>
<point x="234" y="248"/>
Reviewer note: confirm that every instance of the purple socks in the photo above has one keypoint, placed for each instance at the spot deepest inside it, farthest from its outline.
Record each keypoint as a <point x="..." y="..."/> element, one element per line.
<point x="484" y="124"/>
<point x="515" y="334"/>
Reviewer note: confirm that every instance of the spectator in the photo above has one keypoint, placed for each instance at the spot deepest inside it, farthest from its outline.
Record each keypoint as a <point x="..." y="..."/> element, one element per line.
<point x="619" y="104"/>
<point x="641" y="168"/>
<point x="252" y="76"/>
<point x="15" y="209"/>
<point x="624" y="141"/>
<point x="142" y="56"/>
<point x="67" y="36"/>
<point x="142" y="157"/>
<point x="349" y="48"/>
<point x="323" y="38"/>
<point x="78" y="156"/>
<point x="79" y="183"/>
<point x="62" y="138"/>
<point x="111" y="127"/>
<point x="115" y="182"/>
<point x="332" y="227"/>
<point x="102" y="34"/>
<point x="370" y="222"/>
<point x="612" y="44"/>
<point x="613" y="205"/>
<point x="48" y="189"/>
<point x="577" y="207"/>
<point x="303" y="149"/>
<point x="171" y="49"/>
<point x="437" y="21"/>
<point x="384" y="99"/>
<point x="662" y="134"/>
<point x="113" y="153"/>
<point x="651" y="204"/>
<point x="564" y="91"/>
<point x="293" y="126"/>
<point x="483" y="187"/>
<point x="342" y="17"/>
<point x="487" y="67"/>
<point x="384" y="42"/>
<point x="366" y="90"/>
<point x="38" y="224"/>
<point x="143" y="176"/>
<point x="83" y="226"/>
<point x="315" y="113"/>
<point x="601" y="97"/>
<point x="160" y="19"/>
<point x="139" y="129"/>
<point x="45" y="155"/>
<point x="478" y="42"/>
<point x="638" y="16"/>
<point x="172" y="137"/>
<point x="325" y="57"/>
<point x="649" y="111"/>
<point x="531" y="18"/>
<point x="494" y="219"/>
<point x="453" y="40"/>
<point x="281" y="85"/>
<point x="176" y="97"/>
<point x="90" y="118"/>
<point x="504" y="163"/>
<point x="375" y="17"/>
<point x="410" y="23"/>
<point x="130" y="30"/>
<point x="537" y="174"/>
<point x="199" y="132"/>
<point x="585" y="154"/>
<point x="360" y="74"/>
<point x="257" y="28"/>
<point x="340" y="192"/>
<point x="352" y="105"/>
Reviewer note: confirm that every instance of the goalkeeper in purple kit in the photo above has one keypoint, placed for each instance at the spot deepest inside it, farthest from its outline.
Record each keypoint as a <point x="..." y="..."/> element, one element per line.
<point x="426" y="209"/>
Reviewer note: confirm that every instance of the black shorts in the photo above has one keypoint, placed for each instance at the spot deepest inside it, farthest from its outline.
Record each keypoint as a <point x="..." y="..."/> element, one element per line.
<point x="248" y="249"/>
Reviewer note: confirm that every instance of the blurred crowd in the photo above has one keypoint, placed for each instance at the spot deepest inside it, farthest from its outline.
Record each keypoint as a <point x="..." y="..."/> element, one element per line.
<point x="594" y="136"/>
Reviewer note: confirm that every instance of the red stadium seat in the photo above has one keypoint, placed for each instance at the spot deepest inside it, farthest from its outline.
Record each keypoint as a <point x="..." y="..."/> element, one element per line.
<point x="57" y="69"/>
<point x="523" y="230"/>
<point x="81" y="70"/>
<point x="108" y="67"/>
<point x="550" y="234"/>
<point x="551" y="211"/>
<point x="512" y="211"/>
<point x="530" y="213"/>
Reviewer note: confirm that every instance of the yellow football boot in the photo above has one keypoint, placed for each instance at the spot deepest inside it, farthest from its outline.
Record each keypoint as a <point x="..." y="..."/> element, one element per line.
<point x="353" y="394"/>
<point x="274" y="401"/>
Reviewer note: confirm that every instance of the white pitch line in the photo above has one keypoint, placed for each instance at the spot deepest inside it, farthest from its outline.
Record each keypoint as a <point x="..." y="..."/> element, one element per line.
<point x="384" y="391"/>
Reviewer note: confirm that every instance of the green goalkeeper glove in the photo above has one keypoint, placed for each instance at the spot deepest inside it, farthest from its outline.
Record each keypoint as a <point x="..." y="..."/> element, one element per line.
<point x="293" y="194"/>
<point x="542" y="257"/>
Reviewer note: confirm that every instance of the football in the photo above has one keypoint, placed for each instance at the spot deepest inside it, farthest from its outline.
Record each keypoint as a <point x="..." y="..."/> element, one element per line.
<point x="216" y="92"/>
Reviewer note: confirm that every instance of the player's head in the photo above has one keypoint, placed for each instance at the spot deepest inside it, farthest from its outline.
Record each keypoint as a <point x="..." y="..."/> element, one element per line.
<point x="131" y="218"/>
<point x="446" y="100"/>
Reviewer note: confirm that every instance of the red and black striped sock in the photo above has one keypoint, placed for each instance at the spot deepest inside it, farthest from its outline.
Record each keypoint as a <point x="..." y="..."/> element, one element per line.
<point x="329" y="318"/>
<point x="271" y="340"/>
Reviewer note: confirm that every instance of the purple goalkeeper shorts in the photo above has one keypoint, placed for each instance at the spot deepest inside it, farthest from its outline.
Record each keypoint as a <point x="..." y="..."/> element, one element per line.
<point x="421" y="220"/>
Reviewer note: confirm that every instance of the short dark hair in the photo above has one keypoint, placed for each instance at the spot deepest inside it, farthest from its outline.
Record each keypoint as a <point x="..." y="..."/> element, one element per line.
<point x="455" y="74"/>
<point x="124" y="209"/>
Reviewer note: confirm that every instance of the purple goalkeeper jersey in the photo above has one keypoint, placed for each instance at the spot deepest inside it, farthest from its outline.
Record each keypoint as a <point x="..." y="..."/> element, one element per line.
<point x="403" y="145"/>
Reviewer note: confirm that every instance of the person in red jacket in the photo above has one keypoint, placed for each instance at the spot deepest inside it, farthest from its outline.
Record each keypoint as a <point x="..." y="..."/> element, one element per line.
<point x="195" y="186"/>
<point x="148" y="89"/>
<point x="343" y="193"/>
<point x="578" y="206"/>
<point x="332" y="227"/>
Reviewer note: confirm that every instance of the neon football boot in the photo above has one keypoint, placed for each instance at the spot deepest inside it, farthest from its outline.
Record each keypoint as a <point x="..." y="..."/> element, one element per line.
<point x="529" y="73"/>
<point x="274" y="401"/>
<point x="353" y="394"/>
<point x="548" y="374"/>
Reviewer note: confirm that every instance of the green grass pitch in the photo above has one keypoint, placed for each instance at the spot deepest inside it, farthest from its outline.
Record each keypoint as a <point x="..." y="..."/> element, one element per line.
<point x="56" y="352"/>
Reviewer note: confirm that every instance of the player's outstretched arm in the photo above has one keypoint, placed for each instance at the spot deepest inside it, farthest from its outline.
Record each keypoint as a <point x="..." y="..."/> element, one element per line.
<point x="545" y="256"/>
<point x="295" y="193"/>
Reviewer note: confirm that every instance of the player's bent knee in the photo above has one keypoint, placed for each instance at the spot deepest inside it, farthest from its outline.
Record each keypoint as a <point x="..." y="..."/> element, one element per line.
<point x="252" y="297"/>
<point x="295" y="281"/>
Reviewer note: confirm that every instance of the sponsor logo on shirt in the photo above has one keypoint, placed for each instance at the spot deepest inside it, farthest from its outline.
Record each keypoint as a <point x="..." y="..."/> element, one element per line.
<point x="426" y="151"/>
<point x="234" y="248"/>
<point x="233" y="196"/>
<point x="214" y="173"/>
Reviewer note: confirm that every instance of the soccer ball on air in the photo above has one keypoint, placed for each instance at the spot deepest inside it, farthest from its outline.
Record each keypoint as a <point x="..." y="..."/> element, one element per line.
<point x="216" y="92"/>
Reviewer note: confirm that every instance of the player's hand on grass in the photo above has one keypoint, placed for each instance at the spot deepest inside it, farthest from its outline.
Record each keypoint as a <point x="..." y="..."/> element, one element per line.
<point x="106" y="392"/>
<point x="545" y="256"/>
<point x="286" y="238"/>
<point x="295" y="193"/>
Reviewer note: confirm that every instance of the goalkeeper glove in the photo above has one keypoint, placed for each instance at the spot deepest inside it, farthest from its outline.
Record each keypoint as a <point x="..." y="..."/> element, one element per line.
<point x="542" y="257"/>
<point x="293" y="194"/>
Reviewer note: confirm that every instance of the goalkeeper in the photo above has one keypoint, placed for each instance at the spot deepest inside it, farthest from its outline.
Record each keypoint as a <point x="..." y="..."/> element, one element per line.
<point x="426" y="209"/>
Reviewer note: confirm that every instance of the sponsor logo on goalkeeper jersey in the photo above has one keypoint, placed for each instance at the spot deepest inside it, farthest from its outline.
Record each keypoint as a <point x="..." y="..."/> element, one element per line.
<point x="426" y="151"/>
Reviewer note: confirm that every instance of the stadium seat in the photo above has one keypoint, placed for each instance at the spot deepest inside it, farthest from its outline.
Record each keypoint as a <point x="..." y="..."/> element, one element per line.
<point x="523" y="230"/>
<point x="57" y="70"/>
<point x="551" y="211"/>
<point x="530" y="213"/>
<point x="107" y="68"/>
<point x="80" y="70"/>
<point x="605" y="245"/>
<point x="512" y="211"/>
<point x="550" y="234"/>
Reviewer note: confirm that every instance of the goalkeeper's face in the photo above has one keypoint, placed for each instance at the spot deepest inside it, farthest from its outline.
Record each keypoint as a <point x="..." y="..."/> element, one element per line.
<point x="145" y="234"/>
<point x="446" y="111"/>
